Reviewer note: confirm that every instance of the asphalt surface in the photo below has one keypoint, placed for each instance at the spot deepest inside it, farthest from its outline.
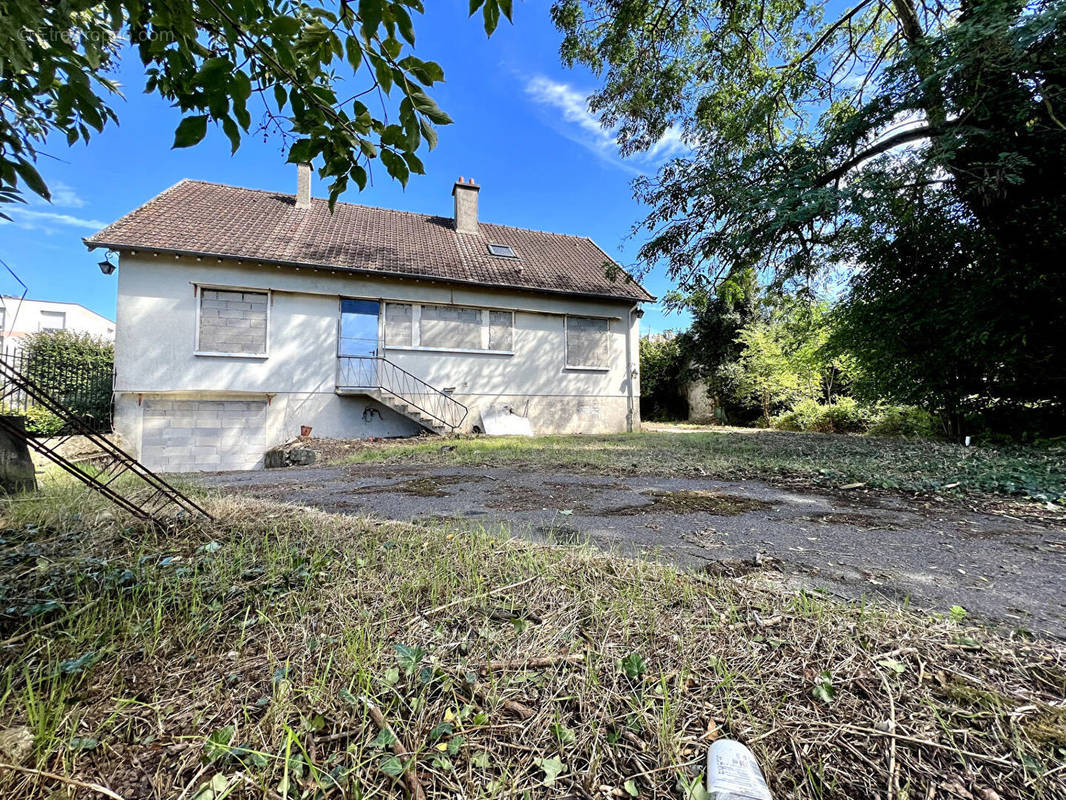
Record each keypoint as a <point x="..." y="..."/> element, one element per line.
<point x="1008" y="572"/>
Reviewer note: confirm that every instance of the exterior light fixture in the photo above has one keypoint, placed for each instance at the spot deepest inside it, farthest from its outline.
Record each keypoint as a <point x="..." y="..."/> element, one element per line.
<point x="106" y="266"/>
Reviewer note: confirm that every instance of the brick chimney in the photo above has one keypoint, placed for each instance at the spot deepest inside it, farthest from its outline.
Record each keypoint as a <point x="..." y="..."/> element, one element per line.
<point x="303" y="185"/>
<point x="465" y="195"/>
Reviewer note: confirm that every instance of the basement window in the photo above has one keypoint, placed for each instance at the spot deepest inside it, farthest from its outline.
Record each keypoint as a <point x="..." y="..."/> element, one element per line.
<point x="503" y="250"/>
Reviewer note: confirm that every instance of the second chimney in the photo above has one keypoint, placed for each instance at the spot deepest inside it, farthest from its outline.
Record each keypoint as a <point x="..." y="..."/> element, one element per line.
<point x="465" y="195"/>
<point x="303" y="185"/>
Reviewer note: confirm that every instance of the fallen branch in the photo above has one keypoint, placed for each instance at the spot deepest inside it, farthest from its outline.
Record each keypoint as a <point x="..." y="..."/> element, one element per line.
<point x="516" y="708"/>
<point x="410" y="776"/>
<point x="95" y="787"/>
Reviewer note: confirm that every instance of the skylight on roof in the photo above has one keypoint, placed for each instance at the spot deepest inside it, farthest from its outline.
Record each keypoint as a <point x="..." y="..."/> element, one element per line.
<point x="504" y="250"/>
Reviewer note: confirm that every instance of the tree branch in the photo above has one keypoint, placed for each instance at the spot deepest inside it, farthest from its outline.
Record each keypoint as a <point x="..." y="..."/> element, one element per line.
<point x="883" y="146"/>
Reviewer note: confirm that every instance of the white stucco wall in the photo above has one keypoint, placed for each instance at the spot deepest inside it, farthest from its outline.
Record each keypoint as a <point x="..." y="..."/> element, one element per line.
<point x="19" y="318"/>
<point x="156" y="340"/>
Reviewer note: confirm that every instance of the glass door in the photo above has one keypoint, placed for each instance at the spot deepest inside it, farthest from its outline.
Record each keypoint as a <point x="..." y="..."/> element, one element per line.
<point x="359" y="328"/>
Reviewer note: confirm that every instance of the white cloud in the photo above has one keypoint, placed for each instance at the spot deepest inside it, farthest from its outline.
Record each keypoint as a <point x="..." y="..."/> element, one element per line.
<point x="64" y="196"/>
<point x="583" y="127"/>
<point x="32" y="219"/>
<point x="36" y="215"/>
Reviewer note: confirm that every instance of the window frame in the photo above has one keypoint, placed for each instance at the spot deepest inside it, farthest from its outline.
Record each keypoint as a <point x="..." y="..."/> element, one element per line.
<point x="200" y="288"/>
<point x="47" y="313"/>
<point x="416" y="330"/>
<point x="512" y="255"/>
<point x="566" y="345"/>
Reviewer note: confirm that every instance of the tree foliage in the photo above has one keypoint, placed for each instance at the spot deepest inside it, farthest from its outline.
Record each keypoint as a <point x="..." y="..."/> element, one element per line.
<point x="662" y="366"/>
<point x="340" y="84"/>
<point x="916" y="147"/>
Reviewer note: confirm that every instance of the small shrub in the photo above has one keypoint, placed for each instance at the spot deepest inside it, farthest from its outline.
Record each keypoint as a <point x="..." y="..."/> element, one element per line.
<point x="843" y="416"/>
<point x="37" y="420"/>
<point x="801" y="417"/>
<point x="904" y="421"/>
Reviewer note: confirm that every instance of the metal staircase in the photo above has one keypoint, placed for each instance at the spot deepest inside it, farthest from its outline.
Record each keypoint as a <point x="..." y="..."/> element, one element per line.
<point x="140" y="492"/>
<point x="396" y="388"/>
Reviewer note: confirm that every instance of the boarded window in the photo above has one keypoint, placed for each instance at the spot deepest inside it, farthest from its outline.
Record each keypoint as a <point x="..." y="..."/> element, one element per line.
<point x="501" y="330"/>
<point x="586" y="342"/>
<point x="233" y="322"/>
<point x="451" y="327"/>
<point x="398" y="326"/>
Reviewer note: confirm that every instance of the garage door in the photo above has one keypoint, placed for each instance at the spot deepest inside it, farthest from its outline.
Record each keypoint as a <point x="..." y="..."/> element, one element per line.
<point x="202" y="435"/>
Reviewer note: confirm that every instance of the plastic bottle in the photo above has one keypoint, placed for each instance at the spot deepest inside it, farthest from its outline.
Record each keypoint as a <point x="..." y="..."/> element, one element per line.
<point x="733" y="773"/>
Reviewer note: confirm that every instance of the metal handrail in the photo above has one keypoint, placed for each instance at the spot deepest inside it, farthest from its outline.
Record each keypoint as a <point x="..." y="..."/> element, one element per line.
<point x="375" y="372"/>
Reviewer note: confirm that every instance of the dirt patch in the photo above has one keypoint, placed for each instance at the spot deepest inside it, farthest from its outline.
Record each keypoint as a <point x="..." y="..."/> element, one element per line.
<point x="557" y="495"/>
<point x="426" y="486"/>
<point x="689" y="501"/>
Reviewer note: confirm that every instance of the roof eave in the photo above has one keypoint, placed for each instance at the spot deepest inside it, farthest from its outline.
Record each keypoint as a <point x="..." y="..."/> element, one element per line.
<point x="93" y="244"/>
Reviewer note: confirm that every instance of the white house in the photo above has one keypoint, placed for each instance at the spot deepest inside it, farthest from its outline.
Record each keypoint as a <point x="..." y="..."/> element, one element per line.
<point x="246" y="315"/>
<point x="22" y="316"/>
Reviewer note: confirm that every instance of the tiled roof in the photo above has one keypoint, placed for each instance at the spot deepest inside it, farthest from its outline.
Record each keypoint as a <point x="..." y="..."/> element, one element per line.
<point x="203" y="218"/>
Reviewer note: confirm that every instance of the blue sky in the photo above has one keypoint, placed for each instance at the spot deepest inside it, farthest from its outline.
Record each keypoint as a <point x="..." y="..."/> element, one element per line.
<point x="521" y="130"/>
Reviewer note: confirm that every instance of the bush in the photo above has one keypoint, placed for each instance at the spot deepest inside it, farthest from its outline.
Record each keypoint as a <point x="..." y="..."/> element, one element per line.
<point x="847" y="416"/>
<point x="904" y="421"/>
<point x="843" y="416"/>
<point x="801" y="417"/>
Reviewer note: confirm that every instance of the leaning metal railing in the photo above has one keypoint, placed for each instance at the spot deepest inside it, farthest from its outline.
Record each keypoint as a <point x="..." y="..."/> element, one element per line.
<point x="375" y="372"/>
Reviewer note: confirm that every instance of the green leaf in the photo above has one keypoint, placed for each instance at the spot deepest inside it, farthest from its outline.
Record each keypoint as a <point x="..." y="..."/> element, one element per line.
<point x="231" y="130"/>
<point x="424" y="103"/>
<point x="286" y="27"/>
<point x="408" y="658"/>
<point x="354" y="52"/>
<point x="403" y="22"/>
<point x="633" y="665"/>
<point x="384" y="739"/>
<point x="563" y="734"/>
<point x="896" y="666"/>
<point x="552" y="767"/>
<point x="491" y="14"/>
<point x="631" y="788"/>
<point x="823" y="688"/>
<point x="429" y="133"/>
<point x="475" y="5"/>
<point x="217" y="744"/>
<point x="32" y="178"/>
<point x="396" y="166"/>
<point x="392" y="766"/>
<point x="371" y="12"/>
<point x="190" y="131"/>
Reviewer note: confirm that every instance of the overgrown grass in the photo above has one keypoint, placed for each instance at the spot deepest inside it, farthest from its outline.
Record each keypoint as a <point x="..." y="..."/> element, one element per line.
<point x="832" y="460"/>
<point x="251" y="655"/>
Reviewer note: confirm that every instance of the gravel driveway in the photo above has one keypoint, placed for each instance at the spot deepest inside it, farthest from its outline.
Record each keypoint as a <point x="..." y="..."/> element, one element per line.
<point x="1006" y="571"/>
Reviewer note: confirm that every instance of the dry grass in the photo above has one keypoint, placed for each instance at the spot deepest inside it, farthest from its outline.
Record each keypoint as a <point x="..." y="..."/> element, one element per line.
<point x="267" y="653"/>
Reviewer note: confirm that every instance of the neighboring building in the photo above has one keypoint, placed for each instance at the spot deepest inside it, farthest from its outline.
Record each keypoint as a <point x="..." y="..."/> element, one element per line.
<point x="244" y="315"/>
<point x="19" y="317"/>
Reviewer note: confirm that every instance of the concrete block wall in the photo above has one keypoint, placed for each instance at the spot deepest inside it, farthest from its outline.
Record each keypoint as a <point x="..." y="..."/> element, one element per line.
<point x="202" y="435"/>
<point x="233" y="322"/>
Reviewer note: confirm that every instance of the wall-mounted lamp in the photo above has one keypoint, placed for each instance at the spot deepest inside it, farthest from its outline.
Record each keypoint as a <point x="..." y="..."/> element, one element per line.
<point x="639" y="313"/>
<point x="106" y="266"/>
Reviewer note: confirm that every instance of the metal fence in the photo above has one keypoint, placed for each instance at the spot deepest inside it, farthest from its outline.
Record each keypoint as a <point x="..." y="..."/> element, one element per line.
<point x="84" y="389"/>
